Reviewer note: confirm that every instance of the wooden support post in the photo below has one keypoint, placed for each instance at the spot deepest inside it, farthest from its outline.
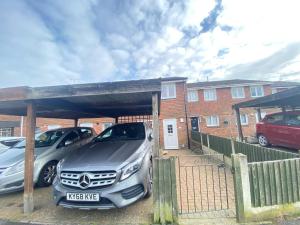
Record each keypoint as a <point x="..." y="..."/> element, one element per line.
<point x="239" y="125"/>
<point x="258" y="114"/>
<point x="155" y="118"/>
<point x="241" y="186"/>
<point x="75" y="122"/>
<point x="29" y="158"/>
<point x="116" y="120"/>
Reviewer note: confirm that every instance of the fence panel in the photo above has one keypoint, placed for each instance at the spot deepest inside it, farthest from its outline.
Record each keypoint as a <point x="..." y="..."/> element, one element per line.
<point x="259" y="154"/>
<point x="221" y="145"/>
<point x="196" y="136"/>
<point x="274" y="182"/>
<point x="204" y="138"/>
<point x="254" y="153"/>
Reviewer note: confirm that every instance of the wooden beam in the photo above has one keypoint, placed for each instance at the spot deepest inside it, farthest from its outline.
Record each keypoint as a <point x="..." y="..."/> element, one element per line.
<point x="155" y="124"/>
<point x="239" y="125"/>
<point x="29" y="158"/>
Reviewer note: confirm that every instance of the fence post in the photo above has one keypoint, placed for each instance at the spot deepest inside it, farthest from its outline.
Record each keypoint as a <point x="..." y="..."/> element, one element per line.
<point x="165" y="191"/>
<point x="232" y="146"/>
<point x="208" y="144"/>
<point x="241" y="186"/>
<point x="201" y="138"/>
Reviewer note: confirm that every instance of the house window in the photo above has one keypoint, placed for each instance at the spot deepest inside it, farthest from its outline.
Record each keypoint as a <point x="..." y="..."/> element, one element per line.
<point x="210" y="95"/>
<point x="54" y="126"/>
<point x="263" y="114"/>
<point x="168" y="90"/>
<point x="237" y="92"/>
<point x="86" y="125"/>
<point x="107" y="125"/>
<point x="212" y="121"/>
<point x="244" y="119"/>
<point x="257" y="91"/>
<point x="192" y="96"/>
<point x="6" y="132"/>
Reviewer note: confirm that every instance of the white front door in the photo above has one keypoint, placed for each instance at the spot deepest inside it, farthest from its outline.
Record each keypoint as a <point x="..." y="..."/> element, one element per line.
<point x="170" y="134"/>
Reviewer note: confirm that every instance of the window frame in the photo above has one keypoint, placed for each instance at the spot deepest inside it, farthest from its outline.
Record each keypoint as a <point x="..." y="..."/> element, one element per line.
<point x="237" y="97"/>
<point x="257" y="86"/>
<point x="213" y="125"/>
<point x="167" y="86"/>
<point x="247" y="119"/>
<point x="212" y="90"/>
<point x="195" y="94"/>
<point x="6" y="131"/>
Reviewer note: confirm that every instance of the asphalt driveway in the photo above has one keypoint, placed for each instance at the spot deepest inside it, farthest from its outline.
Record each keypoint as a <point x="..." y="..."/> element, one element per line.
<point x="11" y="209"/>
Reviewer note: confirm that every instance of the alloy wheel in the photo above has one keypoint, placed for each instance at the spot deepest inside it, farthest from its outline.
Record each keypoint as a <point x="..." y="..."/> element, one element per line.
<point x="49" y="174"/>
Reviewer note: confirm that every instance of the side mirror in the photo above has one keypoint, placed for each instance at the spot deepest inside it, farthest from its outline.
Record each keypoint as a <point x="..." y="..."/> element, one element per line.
<point x="68" y="142"/>
<point x="150" y="137"/>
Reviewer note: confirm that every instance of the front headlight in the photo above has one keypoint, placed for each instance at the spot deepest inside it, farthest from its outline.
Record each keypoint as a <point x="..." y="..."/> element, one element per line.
<point x="17" y="168"/>
<point x="131" y="168"/>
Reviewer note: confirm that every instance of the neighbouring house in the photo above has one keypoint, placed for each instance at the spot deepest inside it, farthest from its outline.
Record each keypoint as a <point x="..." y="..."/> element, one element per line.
<point x="200" y="106"/>
<point x="210" y="104"/>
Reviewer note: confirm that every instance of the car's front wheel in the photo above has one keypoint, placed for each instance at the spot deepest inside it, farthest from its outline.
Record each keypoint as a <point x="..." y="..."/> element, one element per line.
<point x="263" y="141"/>
<point x="47" y="174"/>
<point x="150" y="182"/>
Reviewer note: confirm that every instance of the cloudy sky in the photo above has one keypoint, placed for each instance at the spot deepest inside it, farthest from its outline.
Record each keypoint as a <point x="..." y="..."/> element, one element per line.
<point x="65" y="42"/>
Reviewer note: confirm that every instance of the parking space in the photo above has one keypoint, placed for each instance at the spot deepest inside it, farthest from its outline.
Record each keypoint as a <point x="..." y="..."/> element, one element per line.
<point x="11" y="208"/>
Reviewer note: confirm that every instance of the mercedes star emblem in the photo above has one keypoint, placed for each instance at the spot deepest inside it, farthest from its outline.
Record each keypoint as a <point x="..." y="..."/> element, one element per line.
<point x="84" y="181"/>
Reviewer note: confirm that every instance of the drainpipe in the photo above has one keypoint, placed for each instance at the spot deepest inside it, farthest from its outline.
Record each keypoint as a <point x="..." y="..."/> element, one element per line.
<point x="186" y="115"/>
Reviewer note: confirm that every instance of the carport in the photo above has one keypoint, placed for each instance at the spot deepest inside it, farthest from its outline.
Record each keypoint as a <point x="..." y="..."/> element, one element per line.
<point x="289" y="99"/>
<point x="94" y="100"/>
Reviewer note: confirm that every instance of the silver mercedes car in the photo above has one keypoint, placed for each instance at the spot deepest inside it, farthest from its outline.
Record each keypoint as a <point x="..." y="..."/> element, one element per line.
<point x="112" y="171"/>
<point x="50" y="147"/>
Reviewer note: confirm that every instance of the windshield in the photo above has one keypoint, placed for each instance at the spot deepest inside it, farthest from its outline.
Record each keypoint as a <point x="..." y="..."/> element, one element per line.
<point x="45" y="139"/>
<point x="134" y="131"/>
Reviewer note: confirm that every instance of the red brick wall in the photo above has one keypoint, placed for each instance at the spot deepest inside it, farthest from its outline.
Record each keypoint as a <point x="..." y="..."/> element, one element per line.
<point x="222" y="107"/>
<point x="174" y="109"/>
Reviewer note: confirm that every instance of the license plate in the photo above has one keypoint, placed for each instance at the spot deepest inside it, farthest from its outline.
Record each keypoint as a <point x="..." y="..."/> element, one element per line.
<point x="83" y="197"/>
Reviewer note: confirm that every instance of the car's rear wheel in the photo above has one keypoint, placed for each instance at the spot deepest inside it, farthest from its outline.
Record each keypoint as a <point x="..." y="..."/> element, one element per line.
<point x="150" y="182"/>
<point x="47" y="174"/>
<point x="263" y="140"/>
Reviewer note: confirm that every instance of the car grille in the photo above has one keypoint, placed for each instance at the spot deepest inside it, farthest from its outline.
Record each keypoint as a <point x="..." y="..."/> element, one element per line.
<point x="87" y="180"/>
<point x="2" y="170"/>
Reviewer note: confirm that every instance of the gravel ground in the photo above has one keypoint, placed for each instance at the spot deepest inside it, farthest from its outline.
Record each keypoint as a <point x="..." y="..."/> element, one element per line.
<point x="46" y="212"/>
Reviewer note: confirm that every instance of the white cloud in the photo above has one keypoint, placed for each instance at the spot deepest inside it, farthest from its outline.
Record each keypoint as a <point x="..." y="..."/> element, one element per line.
<point x="89" y="41"/>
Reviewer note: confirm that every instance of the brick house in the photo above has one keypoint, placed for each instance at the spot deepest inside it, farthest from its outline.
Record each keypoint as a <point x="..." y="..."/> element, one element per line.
<point x="205" y="105"/>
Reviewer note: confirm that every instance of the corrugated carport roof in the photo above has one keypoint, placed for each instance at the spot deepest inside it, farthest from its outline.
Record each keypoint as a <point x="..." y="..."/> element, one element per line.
<point x="109" y="99"/>
<point x="288" y="98"/>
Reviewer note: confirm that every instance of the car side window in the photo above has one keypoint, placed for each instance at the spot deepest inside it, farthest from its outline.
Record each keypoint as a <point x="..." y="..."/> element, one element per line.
<point x="275" y="119"/>
<point x="293" y="120"/>
<point x="70" y="139"/>
<point x="85" y="133"/>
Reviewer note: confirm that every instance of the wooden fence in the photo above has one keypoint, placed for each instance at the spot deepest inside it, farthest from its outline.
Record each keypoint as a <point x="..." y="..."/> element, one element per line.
<point x="274" y="182"/>
<point x="254" y="153"/>
<point x="164" y="191"/>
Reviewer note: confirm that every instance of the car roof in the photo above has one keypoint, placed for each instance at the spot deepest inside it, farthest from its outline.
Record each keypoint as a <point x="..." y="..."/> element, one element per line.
<point x="296" y="112"/>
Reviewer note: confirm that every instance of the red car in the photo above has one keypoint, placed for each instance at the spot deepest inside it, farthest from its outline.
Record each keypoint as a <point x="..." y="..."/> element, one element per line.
<point x="282" y="129"/>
